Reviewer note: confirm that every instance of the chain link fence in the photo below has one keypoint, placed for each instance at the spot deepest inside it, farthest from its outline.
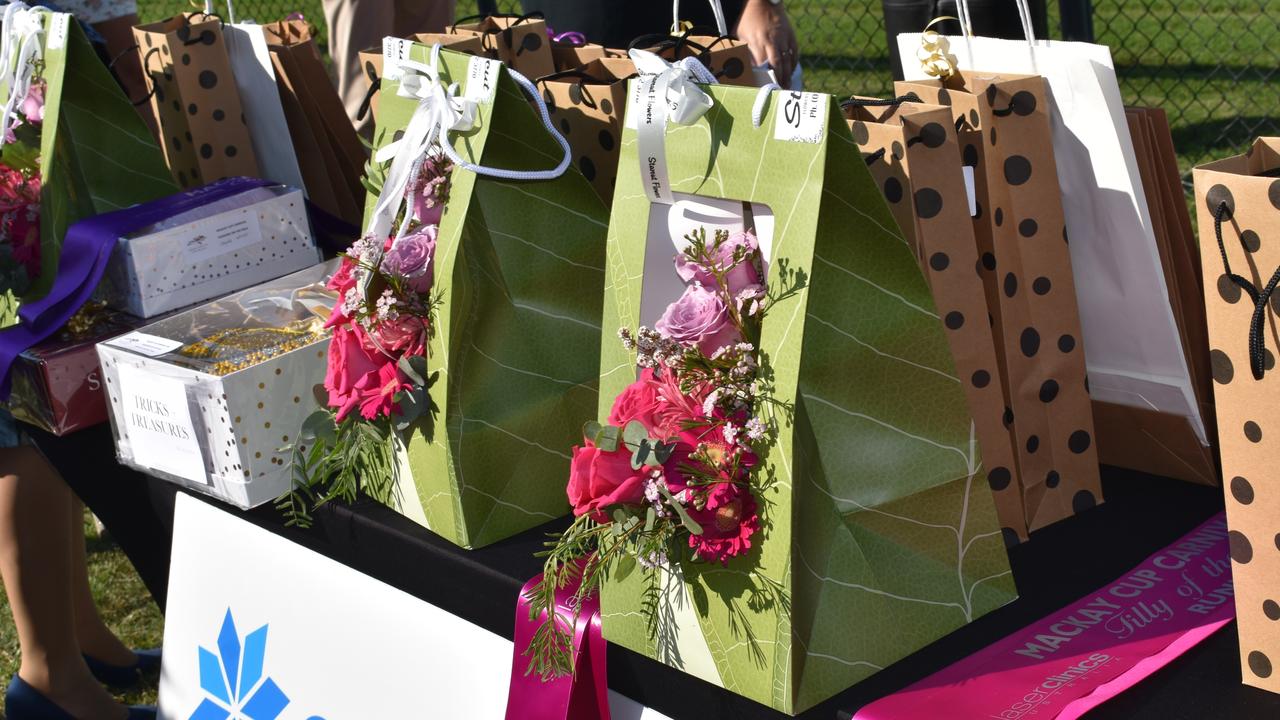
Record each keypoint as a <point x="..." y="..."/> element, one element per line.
<point x="1213" y="65"/>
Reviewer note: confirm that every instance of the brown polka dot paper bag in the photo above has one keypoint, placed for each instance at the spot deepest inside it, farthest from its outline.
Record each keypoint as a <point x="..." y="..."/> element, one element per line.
<point x="194" y="97"/>
<point x="1238" y="206"/>
<point x="914" y="156"/>
<point x="519" y="41"/>
<point x="586" y="105"/>
<point x="1025" y="265"/>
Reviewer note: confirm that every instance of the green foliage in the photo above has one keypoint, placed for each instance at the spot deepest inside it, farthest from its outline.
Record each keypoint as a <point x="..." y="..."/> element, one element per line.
<point x="339" y="460"/>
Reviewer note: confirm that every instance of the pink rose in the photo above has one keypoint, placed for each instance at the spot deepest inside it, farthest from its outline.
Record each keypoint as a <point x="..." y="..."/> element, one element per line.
<point x="738" y="276"/>
<point x="728" y="521"/>
<point x="406" y="335"/>
<point x="699" y="318"/>
<point x="360" y="378"/>
<point x="33" y="104"/>
<point x="344" y="279"/>
<point x="599" y="479"/>
<point x="411" y="257"/>
<point x="640" y="401"/>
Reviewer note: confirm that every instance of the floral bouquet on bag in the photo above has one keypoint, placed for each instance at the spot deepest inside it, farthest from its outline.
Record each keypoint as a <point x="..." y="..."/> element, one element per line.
<point x="21" y="71"/>
<point x="377" y="379"/>
<point x="672" y="472"/>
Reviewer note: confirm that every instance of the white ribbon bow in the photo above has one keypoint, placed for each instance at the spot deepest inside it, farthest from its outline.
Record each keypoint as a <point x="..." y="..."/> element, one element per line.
<point x="665" y="91"/>
<point x="21" y="45"/>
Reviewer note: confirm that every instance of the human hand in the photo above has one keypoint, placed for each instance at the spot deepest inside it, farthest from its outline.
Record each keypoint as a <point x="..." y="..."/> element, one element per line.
<point x="765" y="29"/>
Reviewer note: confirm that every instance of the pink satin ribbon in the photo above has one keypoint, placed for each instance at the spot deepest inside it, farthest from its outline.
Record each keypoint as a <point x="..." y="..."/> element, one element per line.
<point x="572" y="37"/>
<point x="1074" y="660"/>
<point x="582" y="696"/>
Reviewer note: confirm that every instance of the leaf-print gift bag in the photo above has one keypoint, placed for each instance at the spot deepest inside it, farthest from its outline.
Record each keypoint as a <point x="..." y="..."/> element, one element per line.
<point x="194" y="96"/>
<point x="914" y="156"/>
<point x="519" y="263"/>
<point x="1238" y="206"/>
<point x="91" y="153"/>
<point x="877" y="534"/>
<point x="1026" y="269"/>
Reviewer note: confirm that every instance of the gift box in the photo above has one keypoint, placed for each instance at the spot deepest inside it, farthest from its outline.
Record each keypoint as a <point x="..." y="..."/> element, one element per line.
<point x="212" y="398"/>
<point x="56" y="384"/>
<point x="211" y="250"/>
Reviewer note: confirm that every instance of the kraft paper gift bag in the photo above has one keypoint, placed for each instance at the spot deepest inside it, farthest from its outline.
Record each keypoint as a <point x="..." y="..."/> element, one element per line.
<point x="519" y="265"/>
<point x="586" y="105"/>
<point x="90" y="153"/>
<point x="520" y="41"/>
<point x="1238" y="206"/>
<point x="1131" y="341"/>
<point x="728" y="59"/>
<point x="877" y="534"/>
<point x="1030" y="289"/>
<point x="914" y="156"/>
<point x="371" y="59"/>
<point x="1145" y="439"/>
<point x="195" y="99"/>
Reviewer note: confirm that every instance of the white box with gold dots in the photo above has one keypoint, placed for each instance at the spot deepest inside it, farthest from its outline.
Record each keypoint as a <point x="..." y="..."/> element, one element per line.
<point x="215" y="249"/>
<point x="212" y="398"/>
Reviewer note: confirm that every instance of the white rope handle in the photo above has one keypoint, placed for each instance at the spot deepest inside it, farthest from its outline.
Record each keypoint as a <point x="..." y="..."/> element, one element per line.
<point x="762" y="100"/>
<point x="1024" y="16"/>
<point x="231" y="11"/>
<point x="716" y="9"/>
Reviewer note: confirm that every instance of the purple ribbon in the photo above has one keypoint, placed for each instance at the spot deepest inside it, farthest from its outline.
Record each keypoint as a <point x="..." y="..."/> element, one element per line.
<point x="85" y="252"/>
<point x="572" y="37"/>
<point x="584" y="695"/>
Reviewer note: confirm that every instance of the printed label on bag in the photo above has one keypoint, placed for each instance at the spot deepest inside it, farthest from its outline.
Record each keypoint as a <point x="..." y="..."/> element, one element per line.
<point x="970" y="191"/>
<point x="802" y="117"/>
<point x="59" y="25"/>
<point x="393" y="51"/>
<point x="482" y="79"/>
<point x="157" y="422"/>
<point x="144" y="344"/>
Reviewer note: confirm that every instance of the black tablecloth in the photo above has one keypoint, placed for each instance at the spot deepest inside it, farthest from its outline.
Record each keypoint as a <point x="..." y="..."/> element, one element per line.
<point x="1061" y="564"/>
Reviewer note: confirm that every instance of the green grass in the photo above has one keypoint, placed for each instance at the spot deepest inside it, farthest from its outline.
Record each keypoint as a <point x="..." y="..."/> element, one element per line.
<point x="122" y="600"/>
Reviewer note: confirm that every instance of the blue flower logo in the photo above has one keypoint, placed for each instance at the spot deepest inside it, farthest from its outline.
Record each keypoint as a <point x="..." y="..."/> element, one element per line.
<point x="233" y="679"/>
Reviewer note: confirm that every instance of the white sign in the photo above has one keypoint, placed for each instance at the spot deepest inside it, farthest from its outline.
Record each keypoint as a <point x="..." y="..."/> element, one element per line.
<point x="802" y="116"/>
<point x="393" y="51"/>
<point x="59" y="25"/>
<point x="145" y="344"/>
<point x="161" y="434"/>
<point x="258" y="627"/>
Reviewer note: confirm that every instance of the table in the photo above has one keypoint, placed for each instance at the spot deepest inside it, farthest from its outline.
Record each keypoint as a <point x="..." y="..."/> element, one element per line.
<point x="1063" y="562"/>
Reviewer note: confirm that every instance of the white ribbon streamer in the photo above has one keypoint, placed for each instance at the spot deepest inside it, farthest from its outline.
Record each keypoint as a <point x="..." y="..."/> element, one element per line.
<point x="669" y="92"/>
<point x="21" y="45"/>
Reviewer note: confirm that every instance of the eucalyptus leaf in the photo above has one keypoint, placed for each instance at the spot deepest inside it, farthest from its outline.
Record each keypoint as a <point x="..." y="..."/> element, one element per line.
<point x="689" y="523"/>
<point x="626" y="564"/>
<point x="650" y="518"/>
<point x="591" y="429"/>
<point x="662" y="451"/>
<point x="412" y="369"/>
<point x="635" y="433"/>
<point x="639" y="456"/>
<point x="607" y="439"/>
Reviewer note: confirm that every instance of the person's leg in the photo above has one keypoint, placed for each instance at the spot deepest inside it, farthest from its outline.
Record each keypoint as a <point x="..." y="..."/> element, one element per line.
<point x="118" y="32"/>
<point x="356" y="25"/>
<point x="95" y="638"/>
<point x="35" y="562"/>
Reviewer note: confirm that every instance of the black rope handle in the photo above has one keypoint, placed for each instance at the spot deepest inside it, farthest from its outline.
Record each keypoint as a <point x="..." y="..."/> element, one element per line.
<point x="120" y="55"/>
<point x="367" y="102"/>
<point x="1257" y="325"/>
<point x="147" y="76"/>
<point x="535" y="15"/>
<point x="875" y="157"/>
<point x="684" y="37"/>
<point x="868" y="102"/>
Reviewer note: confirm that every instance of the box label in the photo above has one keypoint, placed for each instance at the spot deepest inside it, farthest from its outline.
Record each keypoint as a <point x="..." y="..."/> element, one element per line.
<point x="59" y="25"/>
<point x="802" y="117"/>
<point x="393" y="51"/>
<point x="482" y="79"/>
<point x="145" y="344"/>
<point x="158" y="423"/>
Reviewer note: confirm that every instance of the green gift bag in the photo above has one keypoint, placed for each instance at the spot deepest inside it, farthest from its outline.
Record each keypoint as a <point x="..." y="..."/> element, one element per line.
<point x="520" y="267"/>
<point x="877" y="530"/>
<point x="91" y="151"/>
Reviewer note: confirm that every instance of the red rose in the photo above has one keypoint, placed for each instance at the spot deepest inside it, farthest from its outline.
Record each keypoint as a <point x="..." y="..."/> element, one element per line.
<point x="360" y="378"/>
<point x="640" y="401"/>
<point x="598" y="479"/>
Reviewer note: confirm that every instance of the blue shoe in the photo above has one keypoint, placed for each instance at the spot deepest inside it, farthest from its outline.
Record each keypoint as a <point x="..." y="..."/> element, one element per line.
<point x="125" y="677"/>
<point x="23" y="702"/>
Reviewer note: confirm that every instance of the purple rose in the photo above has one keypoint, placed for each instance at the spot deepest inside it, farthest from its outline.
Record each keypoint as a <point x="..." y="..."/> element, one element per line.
<point x="411" y="257"/>
<point x="739" y="276"/>
<point x="699" y="318"/>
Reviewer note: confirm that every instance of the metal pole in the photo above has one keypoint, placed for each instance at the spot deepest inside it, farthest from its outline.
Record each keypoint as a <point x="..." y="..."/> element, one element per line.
<point x="1076" y="17"/>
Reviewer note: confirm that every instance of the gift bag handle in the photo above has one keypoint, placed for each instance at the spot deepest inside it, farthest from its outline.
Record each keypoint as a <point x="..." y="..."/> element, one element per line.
<point x="1257" y="325"/>
<point x="535" y="15"/>
<point x="1024" y="16"/>
<point x="873" y="102"/>
<point x="716" y="9"/>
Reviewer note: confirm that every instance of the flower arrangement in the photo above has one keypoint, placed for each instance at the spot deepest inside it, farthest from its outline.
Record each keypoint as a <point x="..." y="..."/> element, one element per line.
<point x="376" y="383"/>
<point x="20" y="194"/>
<point x="673" y="472"/>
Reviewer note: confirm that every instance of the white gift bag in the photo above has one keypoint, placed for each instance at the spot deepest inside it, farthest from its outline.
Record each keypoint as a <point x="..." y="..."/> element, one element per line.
<point x="1131" y="339"/>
